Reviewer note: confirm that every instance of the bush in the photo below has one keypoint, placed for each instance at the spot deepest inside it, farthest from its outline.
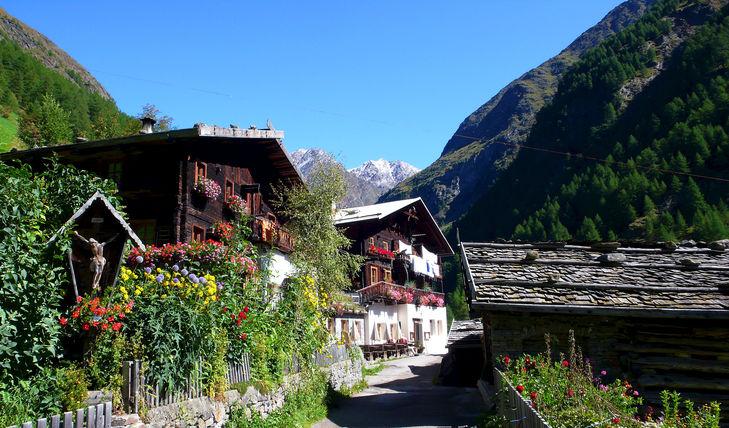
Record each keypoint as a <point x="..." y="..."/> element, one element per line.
<point x="33" y="280"/>
<point x="567" y="394"/>
<point x="305" y="404"/>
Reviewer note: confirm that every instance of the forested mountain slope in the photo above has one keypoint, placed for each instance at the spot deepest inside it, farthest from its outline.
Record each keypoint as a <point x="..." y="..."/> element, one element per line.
<point x="46" y="97"/>
<point x="470" y="162"/>
<point x="635" y="143"/>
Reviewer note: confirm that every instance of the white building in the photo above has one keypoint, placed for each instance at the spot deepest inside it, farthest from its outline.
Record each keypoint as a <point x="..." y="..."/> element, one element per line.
<point x="401" y="282"/>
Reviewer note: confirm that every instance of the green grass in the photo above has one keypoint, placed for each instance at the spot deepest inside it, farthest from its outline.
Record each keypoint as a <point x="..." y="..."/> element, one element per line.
<point x="8" y="132"/>
<point x="371" y="371"/>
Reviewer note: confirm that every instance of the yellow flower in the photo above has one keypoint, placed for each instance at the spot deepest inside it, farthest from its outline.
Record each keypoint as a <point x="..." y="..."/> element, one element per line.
<point x="137" y="292"/>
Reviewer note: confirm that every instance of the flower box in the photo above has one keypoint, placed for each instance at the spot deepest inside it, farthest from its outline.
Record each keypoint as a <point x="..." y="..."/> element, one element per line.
<point x="380" y="252"/>
<point x="207" y="188"/>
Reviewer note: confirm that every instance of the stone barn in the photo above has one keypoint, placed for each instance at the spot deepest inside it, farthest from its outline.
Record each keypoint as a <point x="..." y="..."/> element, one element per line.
<point x="657" y="315"/>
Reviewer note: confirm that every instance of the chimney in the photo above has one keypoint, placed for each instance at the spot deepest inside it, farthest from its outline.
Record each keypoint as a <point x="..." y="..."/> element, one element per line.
<point x="147" y="125"/>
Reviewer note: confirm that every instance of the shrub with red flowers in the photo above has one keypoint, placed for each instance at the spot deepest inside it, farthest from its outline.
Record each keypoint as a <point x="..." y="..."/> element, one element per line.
<point x="381" y="252"/>
<point x="567" y="393"/>
<point x="236" y="204"/>
<point x="92" y="316"/>
<point x="207" y="188"/>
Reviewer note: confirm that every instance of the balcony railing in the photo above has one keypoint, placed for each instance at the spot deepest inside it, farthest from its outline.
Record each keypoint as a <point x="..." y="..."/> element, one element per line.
<point x="393" y="293"/>
<point x="270" y="232"/>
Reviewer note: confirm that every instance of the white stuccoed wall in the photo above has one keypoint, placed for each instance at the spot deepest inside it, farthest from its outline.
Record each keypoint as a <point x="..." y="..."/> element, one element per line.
<point x="405" y="314"/>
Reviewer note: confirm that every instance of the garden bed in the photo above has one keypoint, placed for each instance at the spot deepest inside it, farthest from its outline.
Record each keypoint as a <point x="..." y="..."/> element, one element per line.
<point x="568" y="392"/>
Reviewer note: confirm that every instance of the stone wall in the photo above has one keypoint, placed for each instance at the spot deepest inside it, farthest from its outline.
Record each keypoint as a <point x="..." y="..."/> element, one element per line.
<point x="206" y="412"/>
<point x="688" y="355"/>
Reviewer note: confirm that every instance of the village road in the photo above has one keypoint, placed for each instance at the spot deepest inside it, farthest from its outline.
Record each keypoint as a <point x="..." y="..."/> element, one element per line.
<point x="403" y="395"/>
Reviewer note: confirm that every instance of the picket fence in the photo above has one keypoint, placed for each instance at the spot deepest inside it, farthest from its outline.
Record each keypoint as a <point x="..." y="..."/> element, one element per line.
<point x="98" y="416"/>
<point x="514" y="407"/>
<point x="137" y="390"/>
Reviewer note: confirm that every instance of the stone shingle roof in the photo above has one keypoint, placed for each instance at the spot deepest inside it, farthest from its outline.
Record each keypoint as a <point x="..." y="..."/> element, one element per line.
<point x="465" y="334"/>
<point x="667" y="280"/>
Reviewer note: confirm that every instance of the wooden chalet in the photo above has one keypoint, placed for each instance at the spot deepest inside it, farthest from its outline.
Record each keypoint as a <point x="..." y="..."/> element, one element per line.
<point x="401" y="282"/>
<point x="401" y="243"/>
<point x="658" y="316"/>
<point x="156" y="173"/>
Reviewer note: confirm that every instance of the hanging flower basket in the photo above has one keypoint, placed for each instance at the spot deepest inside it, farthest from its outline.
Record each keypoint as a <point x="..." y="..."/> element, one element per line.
<point x="207" y="188"/>
<point x="236" y="204"/>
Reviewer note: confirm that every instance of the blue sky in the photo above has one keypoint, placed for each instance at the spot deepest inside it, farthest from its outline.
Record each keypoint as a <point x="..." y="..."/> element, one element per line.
<point x="363" y="80"/>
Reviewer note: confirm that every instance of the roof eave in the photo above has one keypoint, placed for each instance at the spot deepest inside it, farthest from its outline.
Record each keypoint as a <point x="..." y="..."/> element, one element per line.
<point x="603" y="310"/>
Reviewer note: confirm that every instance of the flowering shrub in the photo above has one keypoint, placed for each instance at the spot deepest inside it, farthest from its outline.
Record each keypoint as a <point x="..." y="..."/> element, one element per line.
<point x="381" y="252"/>
<point x="567" y="393"/>
<point x="90" y="315"/>
<point x="195" y="253"/>
<point x="236" y="204"/>
<point x="207" y="188"/>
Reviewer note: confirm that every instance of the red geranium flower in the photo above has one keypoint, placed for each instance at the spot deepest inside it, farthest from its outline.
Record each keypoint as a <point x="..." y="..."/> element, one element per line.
<point x="533" y="395"/>
<point x="86" y="326"/>
<point x="117" y="326"/>
<point x="520" y="388"/>
<point x="75" y="314"/>
<point x="570" y="393"/>
<point x="122" y="315"/>
<point x="63" y="321"/>
<point x="243" y="336"/>
<point x="565" y="363"/>
<point x="615" y="420"/>
<point x="507" y="360"/>
<point x="104" y="326"/>
<point x="245" y="309"/>
<point x="79" y="299"/>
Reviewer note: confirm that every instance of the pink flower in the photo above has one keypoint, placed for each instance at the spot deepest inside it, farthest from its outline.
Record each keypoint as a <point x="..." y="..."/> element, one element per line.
<point x="635" y="393"/>
<point x="603" y="373"/>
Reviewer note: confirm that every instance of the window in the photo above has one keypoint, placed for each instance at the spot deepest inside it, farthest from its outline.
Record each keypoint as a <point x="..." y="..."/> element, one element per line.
<point x="372" y="242"/>
<point x="229" y="189"/>
<point x="344" y="330"/>
<point x="357" y="331"/>
<point x="115" y="172"/>
<point x="432" y="326"/>
<point x="393" y="332"/>
<point x="387" y="277"/>
<point x="381" y="331"/>
<point x="201" y="171"/>
<point x="198" y="233"/>
<point x="374" y="274"/>
<point x="386" y="246"/>
<point x="145" y="229"/>
<point x="440" y="327"/>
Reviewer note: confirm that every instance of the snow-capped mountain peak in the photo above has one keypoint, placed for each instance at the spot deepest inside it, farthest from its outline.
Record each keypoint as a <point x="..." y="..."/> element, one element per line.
<point x="384" y="173"/>
<point x="366" y="183"/>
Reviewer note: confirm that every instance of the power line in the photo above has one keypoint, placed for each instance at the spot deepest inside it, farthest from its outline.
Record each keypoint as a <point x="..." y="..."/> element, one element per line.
<point x="601" y="160"/>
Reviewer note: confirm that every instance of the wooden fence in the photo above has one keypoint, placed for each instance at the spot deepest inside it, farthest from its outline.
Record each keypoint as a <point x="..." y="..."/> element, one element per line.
<point x="136" y="389"/>
<point x="514" y="407"/>
<point x="98" y="416"/>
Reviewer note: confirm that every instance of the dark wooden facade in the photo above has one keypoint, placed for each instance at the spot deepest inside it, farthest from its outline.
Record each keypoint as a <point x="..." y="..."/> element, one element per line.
<point x="658" y="316"/>
<point x="156" y="174"/>
<point x="408" y="222"/>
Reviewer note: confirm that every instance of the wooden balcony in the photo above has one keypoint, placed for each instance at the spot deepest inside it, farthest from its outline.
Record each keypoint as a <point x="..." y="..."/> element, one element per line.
<point x="393" y="293"/>
<point x="269" y="231"/>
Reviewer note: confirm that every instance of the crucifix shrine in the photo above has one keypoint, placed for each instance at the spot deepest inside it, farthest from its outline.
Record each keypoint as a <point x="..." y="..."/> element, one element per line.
<point x="99" y="234"/>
